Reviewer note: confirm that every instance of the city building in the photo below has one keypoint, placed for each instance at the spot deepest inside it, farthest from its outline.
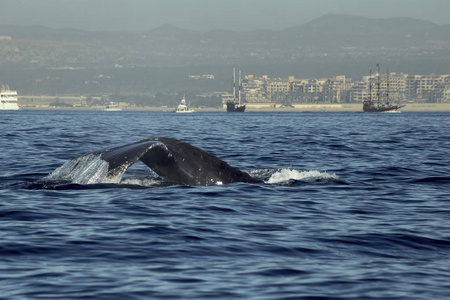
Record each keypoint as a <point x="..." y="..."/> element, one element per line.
<point x="397" y="87"/>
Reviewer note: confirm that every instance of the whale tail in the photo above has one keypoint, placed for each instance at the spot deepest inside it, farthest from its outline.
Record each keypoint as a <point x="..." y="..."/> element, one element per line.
<point x="177" y="161"/>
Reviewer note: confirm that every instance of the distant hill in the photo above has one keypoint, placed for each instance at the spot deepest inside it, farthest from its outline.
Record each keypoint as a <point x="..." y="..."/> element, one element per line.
<point x="332" y="38"/>
<point x="335" y="26"/>
<point x="346" y="30"/>
<point x="358" y="26"/>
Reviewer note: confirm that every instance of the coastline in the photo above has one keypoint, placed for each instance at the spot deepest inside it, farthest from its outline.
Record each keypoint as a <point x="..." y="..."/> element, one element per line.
<point x="42" y="103"/>
<point x="266" y="107"/>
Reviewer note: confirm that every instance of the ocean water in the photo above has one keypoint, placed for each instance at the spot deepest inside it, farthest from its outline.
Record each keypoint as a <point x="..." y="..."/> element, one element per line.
<point x="354" y="206"/>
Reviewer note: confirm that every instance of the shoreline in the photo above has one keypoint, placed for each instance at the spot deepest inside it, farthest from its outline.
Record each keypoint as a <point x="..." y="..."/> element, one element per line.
<point x="267" y="107"/>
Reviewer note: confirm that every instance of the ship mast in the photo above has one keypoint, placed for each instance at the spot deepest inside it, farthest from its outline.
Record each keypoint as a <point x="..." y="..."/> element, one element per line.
<point x="234" y="83"/>
<point x="239" y="88"/>
<point x="387" y="87"/>
<point x="378" y="85"/>
<point x="370" y="85"/>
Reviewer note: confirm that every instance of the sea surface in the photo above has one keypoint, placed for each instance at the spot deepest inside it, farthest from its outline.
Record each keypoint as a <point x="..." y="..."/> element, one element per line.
<point x="354" y="206"/>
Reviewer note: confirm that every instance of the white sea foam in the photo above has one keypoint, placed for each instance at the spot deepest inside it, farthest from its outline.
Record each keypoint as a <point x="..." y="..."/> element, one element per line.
<point x="144" y="182"/>
<point x="285" y="175"/>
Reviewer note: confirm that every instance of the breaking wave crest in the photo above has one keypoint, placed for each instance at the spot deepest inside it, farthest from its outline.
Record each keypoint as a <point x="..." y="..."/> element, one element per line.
<point x="286" y="175"/>
<point x="144" y="182"/>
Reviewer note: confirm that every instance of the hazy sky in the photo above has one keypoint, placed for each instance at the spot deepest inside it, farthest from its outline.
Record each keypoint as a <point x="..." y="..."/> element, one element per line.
<point x="204" y="15"/>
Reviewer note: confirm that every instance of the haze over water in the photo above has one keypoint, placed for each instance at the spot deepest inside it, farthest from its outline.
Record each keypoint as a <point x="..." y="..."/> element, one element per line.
<point x="205" y="15"/>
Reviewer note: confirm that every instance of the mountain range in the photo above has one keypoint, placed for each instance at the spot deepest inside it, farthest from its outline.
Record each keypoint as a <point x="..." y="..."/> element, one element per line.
<point x="330" y="24"/>
<point x="331" y="45"/>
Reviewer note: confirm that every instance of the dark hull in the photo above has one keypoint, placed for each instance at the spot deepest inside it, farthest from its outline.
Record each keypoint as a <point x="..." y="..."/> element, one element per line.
<point x="234" y="107"/>
<point x="371" y="108"/>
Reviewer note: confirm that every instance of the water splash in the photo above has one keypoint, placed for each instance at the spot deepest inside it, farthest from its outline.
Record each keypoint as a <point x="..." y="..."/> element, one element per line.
<point x="88" y="169"/>
<point x="143" y="182"/>
<point x="91" y="169"/>
<point x="285" y="175"/>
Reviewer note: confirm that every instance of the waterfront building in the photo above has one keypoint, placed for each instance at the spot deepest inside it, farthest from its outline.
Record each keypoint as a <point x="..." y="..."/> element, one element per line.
<point x="446" y="94"/>
<point x="277" y="89"/>
<point x="359" y="91"/>
<point x="253" y="89"/>
<point x="430" y="88"/>
<point x="397" y="87"/>
<point x="334" y="88"/>
<point x="383" y="86"/>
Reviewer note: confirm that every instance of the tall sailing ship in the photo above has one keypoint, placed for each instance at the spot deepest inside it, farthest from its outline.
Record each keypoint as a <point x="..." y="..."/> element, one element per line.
<point x="380" y="104"/>
<point x="8" y="99"/>
<point x="234" y="105"/>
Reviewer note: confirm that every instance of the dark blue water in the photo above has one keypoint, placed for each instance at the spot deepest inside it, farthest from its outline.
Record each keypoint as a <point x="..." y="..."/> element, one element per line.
<point x="360" y="209"/>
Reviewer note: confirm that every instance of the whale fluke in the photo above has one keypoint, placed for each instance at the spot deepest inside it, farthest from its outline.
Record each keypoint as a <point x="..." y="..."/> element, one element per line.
<point x="177" y="161"/>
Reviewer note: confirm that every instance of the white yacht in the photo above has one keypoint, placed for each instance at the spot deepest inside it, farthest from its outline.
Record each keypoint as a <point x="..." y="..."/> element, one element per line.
<point x="8" y="99"/>
<point x="112" y="107"/>
<point x="183" y="108"/>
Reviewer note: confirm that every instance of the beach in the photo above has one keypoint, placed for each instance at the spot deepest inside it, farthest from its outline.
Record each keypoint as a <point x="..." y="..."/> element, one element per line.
<point x="42" y="103"/>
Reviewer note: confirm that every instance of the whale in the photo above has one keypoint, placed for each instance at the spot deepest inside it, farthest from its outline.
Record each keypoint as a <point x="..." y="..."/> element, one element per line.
<point x="177" y="161"/>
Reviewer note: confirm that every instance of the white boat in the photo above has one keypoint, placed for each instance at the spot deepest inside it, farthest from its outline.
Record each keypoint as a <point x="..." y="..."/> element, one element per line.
<point x="8" y="100"/>
<point x="112" y="107"/>
<point x="183" y="108"/>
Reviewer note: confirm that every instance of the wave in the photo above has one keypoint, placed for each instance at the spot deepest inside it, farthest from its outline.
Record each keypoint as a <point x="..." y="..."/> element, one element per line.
<point x="288" y="175"/>
<point x="394" y="242"/>
<point x="433" y="180"/>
